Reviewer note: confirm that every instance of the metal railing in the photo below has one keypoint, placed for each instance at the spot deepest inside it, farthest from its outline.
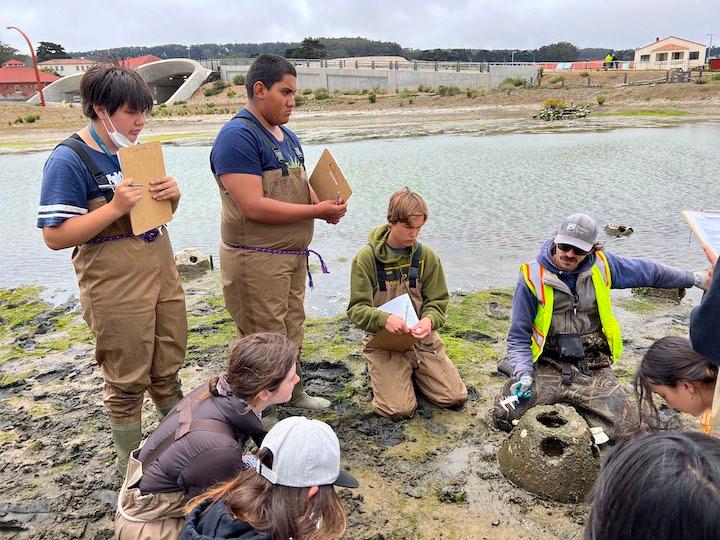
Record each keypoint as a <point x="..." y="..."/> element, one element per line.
<point x="349" y="63"/>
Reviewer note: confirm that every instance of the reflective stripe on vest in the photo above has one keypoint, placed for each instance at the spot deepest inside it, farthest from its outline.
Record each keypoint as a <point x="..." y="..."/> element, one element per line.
<point x="533" y="273"/>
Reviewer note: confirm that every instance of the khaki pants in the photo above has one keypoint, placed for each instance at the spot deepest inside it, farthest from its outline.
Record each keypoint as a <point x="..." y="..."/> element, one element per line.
<point x="392" y="374"/>
<point x="598" y="397"/>
<point x="133" y="302"/>
<point x="153" y="516"/>
<point x="265" y="292"/>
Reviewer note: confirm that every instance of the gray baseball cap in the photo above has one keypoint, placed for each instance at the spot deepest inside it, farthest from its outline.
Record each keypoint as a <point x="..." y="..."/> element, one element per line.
<point x="579" y="230"/>
<point x="305" y="453"/>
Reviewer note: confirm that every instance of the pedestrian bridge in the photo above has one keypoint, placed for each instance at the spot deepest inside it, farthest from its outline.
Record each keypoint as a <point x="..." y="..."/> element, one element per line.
<point x="170" y="80"/>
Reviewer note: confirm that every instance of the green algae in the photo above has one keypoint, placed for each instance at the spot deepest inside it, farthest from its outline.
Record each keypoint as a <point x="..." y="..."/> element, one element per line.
<point x="19" y="307"/>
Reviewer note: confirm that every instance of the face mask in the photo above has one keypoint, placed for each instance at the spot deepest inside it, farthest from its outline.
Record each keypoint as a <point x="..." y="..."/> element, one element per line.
<point x="117" y="138"/>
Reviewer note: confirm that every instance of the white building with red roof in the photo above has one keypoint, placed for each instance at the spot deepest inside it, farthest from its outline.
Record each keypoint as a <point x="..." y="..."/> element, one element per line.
<point x="17" y="81"/>
<point x="67" y="66"/>
<point x="671" y="53"/>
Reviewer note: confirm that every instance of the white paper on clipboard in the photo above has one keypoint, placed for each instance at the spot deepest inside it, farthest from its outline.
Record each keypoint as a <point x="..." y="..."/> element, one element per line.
<point x="705" y="225"/>
<point x="403" y="307"/>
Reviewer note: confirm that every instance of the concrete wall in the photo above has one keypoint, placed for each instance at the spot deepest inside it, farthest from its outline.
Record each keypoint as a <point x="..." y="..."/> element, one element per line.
<point x="498" y="73"/>
<point x="389" y="79"/>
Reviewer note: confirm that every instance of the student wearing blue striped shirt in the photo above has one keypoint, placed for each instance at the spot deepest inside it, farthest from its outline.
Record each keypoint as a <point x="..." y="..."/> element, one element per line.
<point x="130" y="289"/>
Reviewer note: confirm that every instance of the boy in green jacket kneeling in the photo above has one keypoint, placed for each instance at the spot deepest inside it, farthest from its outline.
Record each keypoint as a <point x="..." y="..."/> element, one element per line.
<point x="392" y="264"/>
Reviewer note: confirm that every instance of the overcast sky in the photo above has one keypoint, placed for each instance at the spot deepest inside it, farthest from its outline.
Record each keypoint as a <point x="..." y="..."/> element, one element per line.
<point x="485" y="24"/>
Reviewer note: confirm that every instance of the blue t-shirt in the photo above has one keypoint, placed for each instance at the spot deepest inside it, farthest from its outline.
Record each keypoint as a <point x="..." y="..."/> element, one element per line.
<point x="68" y="185"/>
<point x="238" y="148"/>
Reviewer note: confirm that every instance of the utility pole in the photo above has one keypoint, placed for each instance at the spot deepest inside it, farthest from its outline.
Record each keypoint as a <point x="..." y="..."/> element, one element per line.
<point x="34" y="60"/>
<point x="707" y="54"/>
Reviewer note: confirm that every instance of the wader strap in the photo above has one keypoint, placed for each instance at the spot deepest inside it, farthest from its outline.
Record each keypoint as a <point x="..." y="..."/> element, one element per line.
<point x="567" y="373"/>
<point x="413" y="272"/>
<point x="186" y="426"/>
<point x="74" y="142"/>
<point x="260" y="131"/>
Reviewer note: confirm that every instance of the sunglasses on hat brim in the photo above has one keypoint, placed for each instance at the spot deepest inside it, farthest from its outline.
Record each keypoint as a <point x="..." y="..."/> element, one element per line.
<point x="570" y="247"/>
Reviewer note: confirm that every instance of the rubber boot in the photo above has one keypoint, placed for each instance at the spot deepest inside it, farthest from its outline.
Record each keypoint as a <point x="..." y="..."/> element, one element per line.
<point x="163" y="409"/>
<point x="126" y="438"/>
<point x="303" y="400"/>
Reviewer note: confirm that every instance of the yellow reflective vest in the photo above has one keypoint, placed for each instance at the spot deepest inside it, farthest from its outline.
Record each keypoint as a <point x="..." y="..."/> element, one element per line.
<point x="533" y="273"/>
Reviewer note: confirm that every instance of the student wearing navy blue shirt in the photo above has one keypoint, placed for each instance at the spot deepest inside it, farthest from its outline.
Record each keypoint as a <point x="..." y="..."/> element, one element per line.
<point x="130" y="290"/>
<point x="268" y="210"/>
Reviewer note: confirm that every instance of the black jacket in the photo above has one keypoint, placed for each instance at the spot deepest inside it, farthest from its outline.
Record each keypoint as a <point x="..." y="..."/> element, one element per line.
<point x="204" y="523"/>
<point x="200" y="459"/>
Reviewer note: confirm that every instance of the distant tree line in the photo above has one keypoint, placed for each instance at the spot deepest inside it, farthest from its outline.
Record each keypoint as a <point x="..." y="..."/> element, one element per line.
<point x="357" y="46"/>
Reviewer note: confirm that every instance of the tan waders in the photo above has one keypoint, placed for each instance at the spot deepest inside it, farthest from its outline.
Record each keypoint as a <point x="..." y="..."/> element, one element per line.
<point x="152" y="516"/>
<point x="264" y="267"/>
<point x="133" y="302"/>
<point x="392" y="373"/>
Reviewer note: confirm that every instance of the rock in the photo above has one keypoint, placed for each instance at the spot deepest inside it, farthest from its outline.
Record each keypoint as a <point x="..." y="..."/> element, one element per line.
<point x="613" y="229"/>
<point x="496" y="311"/>
<point x="191" y="262"/>
<point x="551" y="453"/>
<point x="453" y="491"/>
<point x="672" y="295"/>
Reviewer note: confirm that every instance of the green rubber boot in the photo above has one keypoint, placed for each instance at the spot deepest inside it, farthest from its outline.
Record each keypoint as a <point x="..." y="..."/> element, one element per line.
<point x="163" y="409"/>
<point x="126" y="438"/>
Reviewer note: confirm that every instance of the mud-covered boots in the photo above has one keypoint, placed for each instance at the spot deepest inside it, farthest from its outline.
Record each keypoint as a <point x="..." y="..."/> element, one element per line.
<point x="163" y="409"/>
<point x="126" y="438"/>
<point x="303" y="400"/>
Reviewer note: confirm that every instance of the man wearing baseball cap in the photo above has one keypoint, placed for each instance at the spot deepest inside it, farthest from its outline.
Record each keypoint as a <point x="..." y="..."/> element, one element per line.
<point x="563" y="335"/>
<point x="286" y="492"/>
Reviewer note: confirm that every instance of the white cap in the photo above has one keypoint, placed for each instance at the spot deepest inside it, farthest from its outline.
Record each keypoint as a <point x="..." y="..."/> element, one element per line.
<point x="305" y="453"/>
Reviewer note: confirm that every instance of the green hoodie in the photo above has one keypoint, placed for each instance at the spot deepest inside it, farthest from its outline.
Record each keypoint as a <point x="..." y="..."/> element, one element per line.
<point x="363" y="282"/>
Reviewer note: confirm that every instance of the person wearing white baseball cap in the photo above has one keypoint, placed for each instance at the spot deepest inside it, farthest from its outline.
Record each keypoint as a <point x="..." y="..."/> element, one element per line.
<point x="286" y="493"/>
<point x="563" y="335"/>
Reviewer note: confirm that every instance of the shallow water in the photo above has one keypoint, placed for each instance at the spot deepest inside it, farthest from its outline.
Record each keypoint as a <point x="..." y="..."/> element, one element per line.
<point x="493" y="200"/>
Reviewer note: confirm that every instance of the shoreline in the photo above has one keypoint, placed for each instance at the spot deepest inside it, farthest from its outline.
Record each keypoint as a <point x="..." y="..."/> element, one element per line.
<point x="331" y="128"/>
<point x="435" y="473"/>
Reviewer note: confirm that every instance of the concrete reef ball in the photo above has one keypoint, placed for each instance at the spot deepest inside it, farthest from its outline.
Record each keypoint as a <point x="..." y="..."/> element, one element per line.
<point x="191" y="262"/>
<point x="551" y="453"/>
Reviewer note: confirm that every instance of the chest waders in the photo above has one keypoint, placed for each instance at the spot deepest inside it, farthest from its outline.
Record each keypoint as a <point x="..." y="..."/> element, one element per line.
<point x="264" y="266"/>
<point x="392" y="372"/>
<point x="158" y="515"/>
<point x="133" y="302"/>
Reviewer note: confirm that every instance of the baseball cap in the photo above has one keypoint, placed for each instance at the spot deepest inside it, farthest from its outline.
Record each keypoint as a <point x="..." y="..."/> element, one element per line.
<point x="579" y="230"/>
<point x="305" y="453"/>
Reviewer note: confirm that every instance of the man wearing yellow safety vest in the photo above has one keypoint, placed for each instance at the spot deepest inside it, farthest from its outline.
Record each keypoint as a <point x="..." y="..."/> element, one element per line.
<point x="563" y="335"/>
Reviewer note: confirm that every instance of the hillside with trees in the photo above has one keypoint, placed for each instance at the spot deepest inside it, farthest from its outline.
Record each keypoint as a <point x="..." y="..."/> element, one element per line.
<point x="345" y="47"/>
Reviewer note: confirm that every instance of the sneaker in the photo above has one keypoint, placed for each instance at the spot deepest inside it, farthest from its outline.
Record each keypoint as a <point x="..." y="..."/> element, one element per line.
<point x="305" y="401"/>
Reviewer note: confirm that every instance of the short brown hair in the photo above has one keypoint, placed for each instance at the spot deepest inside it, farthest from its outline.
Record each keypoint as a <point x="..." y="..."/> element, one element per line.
<point x="405" y="204"/>
<point x="112" y="87"/>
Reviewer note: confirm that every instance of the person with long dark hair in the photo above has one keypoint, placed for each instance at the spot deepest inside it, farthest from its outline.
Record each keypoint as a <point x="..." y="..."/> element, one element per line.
<point x="684" y="378"/>
<point x="658" y="486"/>
<point x="201" y="441"/>
<point x="288" y="493"/>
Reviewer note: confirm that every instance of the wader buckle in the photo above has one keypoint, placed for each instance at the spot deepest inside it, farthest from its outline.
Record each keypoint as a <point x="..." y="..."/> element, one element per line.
<point x="584" y="367"/>
<point x="567" y="373"/>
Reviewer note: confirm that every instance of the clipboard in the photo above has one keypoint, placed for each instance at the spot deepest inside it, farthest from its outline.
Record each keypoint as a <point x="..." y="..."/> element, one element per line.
<point x="328" y="181"/>
<point x="392" y="342"/>
<point x="403" y="307"/>
<point x="143" y="163"/>
<point x="705" y="226"/>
